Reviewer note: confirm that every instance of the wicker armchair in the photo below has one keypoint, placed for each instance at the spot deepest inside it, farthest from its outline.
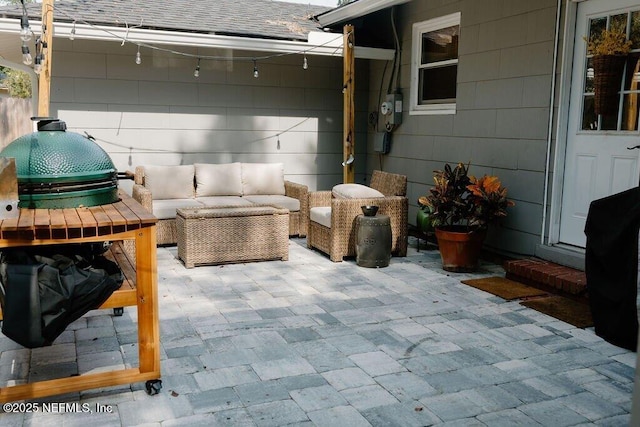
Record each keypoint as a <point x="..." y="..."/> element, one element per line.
<point x="338" y="241"/>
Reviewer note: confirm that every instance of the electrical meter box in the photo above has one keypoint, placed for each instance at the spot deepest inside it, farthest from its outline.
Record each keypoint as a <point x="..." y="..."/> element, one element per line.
<point x="391" y="109"/>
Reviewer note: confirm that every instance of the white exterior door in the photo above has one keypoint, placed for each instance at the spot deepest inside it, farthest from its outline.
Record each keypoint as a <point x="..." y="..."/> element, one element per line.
<point x="598" y="160"/>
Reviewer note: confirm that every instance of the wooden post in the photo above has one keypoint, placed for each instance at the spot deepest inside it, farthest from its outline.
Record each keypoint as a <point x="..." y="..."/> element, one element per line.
<point x="349" y="104"/>
<point x="44" y="81"/>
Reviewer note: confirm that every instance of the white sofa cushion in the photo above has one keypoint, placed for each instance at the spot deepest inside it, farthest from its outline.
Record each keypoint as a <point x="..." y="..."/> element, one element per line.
<point x="166" y="209"/>
<point x="262" y="178"/>
<point x="321" y="215"/>
<point x="224" y="201"/>
<point x="355" y="191"/>
<point x="290" y="203"/>
<point x="218" y="180"/>
<point x="169" y="182"/>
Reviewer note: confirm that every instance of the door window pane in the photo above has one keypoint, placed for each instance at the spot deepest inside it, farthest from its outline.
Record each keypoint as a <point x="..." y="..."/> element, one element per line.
<point x="619" y="23"/>
<point x="596" y="27"/>
<point x="630" y="112"/>
<point x="632" y="91"/>
<point x="634" y="36"/>
<point x="609" y="121"/>
<point x="589" y="75"/>
<point x="589" y="117"/>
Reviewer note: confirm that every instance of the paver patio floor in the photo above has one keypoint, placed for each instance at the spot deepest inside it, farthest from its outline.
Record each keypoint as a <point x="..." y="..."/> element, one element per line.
<point x="312" y="342"/>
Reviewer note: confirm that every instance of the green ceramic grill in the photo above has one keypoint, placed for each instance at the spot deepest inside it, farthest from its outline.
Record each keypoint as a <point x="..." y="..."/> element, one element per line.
<point x="58" y="169"/>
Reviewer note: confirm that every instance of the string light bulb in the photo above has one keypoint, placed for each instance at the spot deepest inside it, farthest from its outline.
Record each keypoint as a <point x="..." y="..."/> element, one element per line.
<point x="37" y="65"/>
<point x="305" y="64"/>
<point x="39" y="58"/>
<point x="26" y="34"/>
<point x="72" y="34"/>
<point x="25" y="29"/>
<point x="45" y="49"/>
<point x="196" y="72"/>
<point x="27" y="59"/>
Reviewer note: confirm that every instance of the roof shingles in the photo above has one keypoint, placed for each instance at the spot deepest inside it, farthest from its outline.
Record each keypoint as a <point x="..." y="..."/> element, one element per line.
<point x="252" y="18"/>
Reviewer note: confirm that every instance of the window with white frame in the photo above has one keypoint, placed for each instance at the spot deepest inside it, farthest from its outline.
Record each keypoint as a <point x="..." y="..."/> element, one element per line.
<point x="434" y="68"/>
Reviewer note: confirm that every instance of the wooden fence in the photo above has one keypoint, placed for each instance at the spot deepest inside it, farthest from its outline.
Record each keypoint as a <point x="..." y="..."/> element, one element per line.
<point x="15" y="119"/>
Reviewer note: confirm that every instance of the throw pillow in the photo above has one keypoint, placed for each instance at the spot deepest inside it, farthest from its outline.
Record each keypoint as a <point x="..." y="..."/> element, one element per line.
<point x="218" y="180"/>
<point x="169" y="182"/>
<point x="262" y="178"/>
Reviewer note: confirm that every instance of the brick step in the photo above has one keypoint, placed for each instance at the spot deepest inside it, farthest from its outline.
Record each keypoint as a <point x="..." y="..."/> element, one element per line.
<point x="548" y="276"/>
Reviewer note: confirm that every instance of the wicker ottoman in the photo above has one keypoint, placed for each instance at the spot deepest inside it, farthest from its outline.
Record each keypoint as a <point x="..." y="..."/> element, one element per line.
<point x="220" y="235"/>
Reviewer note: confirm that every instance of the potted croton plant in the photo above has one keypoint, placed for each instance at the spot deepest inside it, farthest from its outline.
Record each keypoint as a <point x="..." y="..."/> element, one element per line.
<point x="461" y="209"/>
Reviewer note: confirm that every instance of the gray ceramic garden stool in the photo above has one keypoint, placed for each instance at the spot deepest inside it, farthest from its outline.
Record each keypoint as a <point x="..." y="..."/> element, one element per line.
<point x="373" y="240"/>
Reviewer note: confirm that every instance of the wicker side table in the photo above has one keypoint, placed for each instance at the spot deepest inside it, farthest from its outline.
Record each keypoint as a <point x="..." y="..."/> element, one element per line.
<point x="232" y="234"/>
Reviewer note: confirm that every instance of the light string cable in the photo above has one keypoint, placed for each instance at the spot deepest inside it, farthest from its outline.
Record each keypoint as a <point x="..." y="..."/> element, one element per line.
<point x="41" y="42"/>
<point x="199" y="58"/>
<point x="192" y="55"/>
<point x="25" y="35"/>
<point x="25" y="29"/>
<point x="159" y="150"/>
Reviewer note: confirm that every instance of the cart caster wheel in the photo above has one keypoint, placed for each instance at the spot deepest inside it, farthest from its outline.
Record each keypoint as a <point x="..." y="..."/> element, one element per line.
<point x="118" y="311"/>
<point x="153" y="387"/>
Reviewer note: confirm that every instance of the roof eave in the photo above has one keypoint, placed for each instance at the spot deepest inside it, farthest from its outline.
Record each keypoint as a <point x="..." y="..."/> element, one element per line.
<point x="355" y="10"/>
<point x="319" y="43"/>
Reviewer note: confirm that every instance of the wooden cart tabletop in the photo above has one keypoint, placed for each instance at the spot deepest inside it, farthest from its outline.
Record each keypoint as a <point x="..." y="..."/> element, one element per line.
<point x="37" y="224"/>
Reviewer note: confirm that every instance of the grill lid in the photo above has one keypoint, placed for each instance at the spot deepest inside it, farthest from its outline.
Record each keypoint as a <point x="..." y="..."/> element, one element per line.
<point x="59" y="169"/>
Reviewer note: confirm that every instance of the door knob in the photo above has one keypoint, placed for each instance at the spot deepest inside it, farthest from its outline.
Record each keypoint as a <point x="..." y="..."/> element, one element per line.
<point x="633" y="148"/>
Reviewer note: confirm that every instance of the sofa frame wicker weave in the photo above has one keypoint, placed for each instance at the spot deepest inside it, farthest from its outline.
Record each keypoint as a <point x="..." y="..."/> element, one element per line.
<point x="166" y="225"/>
<point x="339" y="240"/>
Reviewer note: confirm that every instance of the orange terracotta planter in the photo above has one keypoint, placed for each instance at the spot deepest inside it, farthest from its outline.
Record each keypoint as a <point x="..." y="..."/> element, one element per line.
<point x="460" y="250"/>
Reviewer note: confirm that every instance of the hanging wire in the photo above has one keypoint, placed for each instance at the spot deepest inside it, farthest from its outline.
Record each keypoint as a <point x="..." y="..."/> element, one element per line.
<point x="138" y="58"/>
<point x="25" y="29"/>
<point x="160" y="150"/>
<point x="125" y="39"/>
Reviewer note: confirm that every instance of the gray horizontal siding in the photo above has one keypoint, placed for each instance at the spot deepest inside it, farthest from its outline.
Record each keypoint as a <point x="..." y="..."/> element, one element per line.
<point x="159" y="113"/>
<point x="501" y="122"/>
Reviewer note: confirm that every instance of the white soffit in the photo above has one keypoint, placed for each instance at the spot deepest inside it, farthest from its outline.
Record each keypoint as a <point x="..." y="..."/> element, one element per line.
<point x="355" y="10"/>
<point x="319" y="43"/>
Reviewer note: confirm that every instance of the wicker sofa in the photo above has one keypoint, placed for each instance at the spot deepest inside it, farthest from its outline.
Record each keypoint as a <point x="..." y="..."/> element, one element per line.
<point x="332" y="214"/>
<point x="164" y="189"/>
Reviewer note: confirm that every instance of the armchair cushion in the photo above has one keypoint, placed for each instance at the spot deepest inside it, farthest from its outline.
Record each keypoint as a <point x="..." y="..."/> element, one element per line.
<point x="355" y="191"/>
<point x="169" y="182"/>
<point x="224" y="201"/>
<point x="218" y="179"/>
<point x="321" y="215"/>
<point x="166" y="209"/>
<point x="276" y="200"/>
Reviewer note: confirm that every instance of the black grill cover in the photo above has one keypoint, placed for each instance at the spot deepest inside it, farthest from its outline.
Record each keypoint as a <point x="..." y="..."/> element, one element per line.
<point x="611" y="266"/>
